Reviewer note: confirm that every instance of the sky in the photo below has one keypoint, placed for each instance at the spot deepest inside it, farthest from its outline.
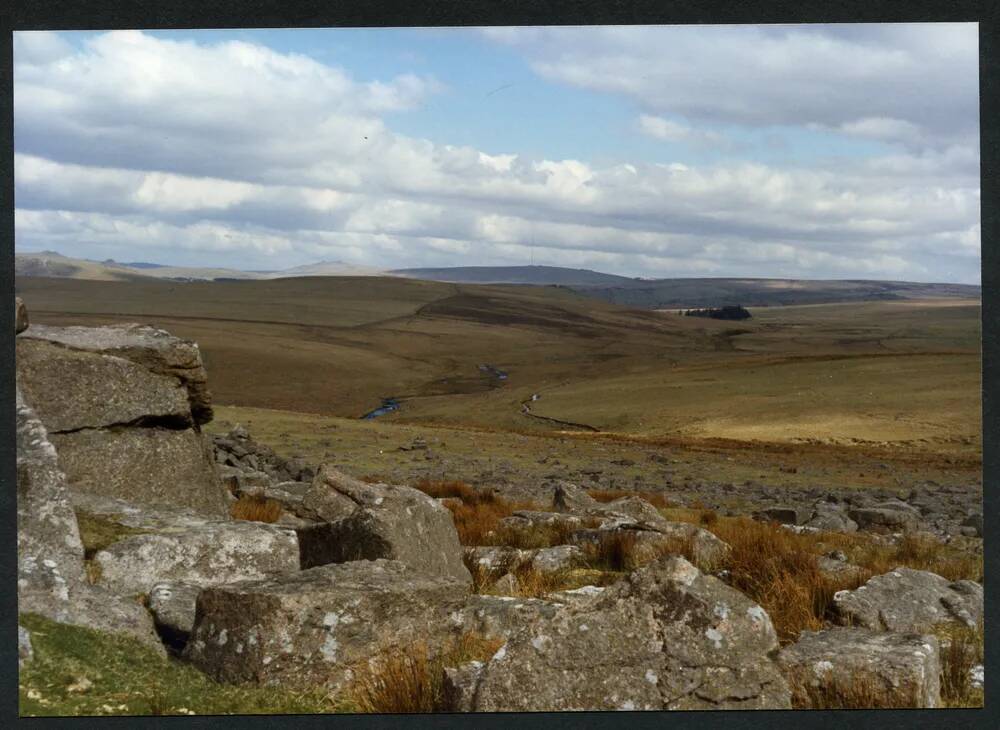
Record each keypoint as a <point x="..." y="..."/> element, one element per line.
<point x="801" y="151"/>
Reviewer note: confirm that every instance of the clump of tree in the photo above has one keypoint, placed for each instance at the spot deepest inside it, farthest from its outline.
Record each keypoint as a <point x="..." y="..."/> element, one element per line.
<point x="727" y="312"/>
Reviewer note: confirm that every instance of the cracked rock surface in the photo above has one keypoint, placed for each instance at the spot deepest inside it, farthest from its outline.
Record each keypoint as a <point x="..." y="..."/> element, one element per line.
<point x="667" y="637"/>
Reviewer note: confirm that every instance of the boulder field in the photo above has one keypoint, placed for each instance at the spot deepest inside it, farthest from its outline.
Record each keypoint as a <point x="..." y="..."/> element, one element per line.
<point x="125" y="524"/>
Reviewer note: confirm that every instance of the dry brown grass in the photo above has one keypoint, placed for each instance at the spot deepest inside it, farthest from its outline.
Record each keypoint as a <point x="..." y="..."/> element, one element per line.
<point x="962" y="648"/>
<point x="656" y="499"/>
<point x="778" y="569"/>
<point x="621" y="551"/>
<point x="255" y="508"/>
<point x="410" y="679"/>
<point x="857" y="693"/>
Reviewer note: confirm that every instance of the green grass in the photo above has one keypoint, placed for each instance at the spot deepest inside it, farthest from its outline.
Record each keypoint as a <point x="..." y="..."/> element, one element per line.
<point x="125" y="677"/>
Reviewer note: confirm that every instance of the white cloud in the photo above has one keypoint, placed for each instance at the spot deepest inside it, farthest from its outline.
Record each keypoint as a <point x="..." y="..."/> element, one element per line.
<point x="134" y="141"/>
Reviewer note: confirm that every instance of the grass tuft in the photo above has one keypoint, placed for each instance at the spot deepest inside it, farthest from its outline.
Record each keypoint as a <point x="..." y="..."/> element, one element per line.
<point x="860" y="692"/>
<point x="256" y="508"/>
<point x="410" y="679"/>
<point x="962" y="648"/>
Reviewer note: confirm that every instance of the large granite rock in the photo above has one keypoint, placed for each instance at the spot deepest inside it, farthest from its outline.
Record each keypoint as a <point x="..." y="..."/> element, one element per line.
<point x="908" y="600"/>
<point x="150" y="466"/>
<point x="51" y="580"/>
<point x="900" y="670"/>
<point x="311" y="628"/>
<point x="831" y="517"/>
<point x="122" y="405"/>
<point x="73" y="390"/>
<point x="208" y="554"/>
<point x="391" y="522"/>
<point x="667" y="637"/>
<point x="155" y="349"/>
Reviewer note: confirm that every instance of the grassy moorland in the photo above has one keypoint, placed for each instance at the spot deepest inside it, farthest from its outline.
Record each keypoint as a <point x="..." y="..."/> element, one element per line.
<point x="823" y="391"/>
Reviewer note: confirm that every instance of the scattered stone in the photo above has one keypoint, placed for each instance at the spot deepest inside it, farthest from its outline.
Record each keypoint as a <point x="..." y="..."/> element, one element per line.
<point x="907" y="600"/>
<point x="500" y="558"/>
<point x="556" y="559"/>
<point x="974" y="521"/>
<point x="889" y="517"/>
<point x="786" y="515"/>
<point x="903" y="668"/>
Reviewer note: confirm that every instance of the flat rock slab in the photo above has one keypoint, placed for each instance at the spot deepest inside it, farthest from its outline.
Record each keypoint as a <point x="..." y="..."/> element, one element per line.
<point x="893" y="517"/>
<point x="785" y="514"/>
<point x="311" y="628"/>
<point x="208" y="554"/>
<point x="155" y="349"/>
<point x="903" y="669"/>
<point x="666" y="637"/>
<point x="143" y="465"/>
<point x="907" y="600"/>
<point x="73" y="390"/>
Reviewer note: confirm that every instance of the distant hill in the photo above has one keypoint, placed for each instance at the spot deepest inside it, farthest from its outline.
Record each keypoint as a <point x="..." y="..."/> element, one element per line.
<point x="709" y="292"/>
<point x="52" y="264"/>
<point x="538" y="275"/>
<point x="635" y="293"/>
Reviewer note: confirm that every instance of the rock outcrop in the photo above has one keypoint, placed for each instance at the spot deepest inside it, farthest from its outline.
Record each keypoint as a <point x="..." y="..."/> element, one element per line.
<point x="667" y="637"/>
<point x="382" y="521"/>
<point x="896" y="670"/>
<point x="20" y="316"/>
<point x="123" y="406"/>
<point x="310" y="628"/>
<point x="907" y="600"/>
<point x="51" y="579"/>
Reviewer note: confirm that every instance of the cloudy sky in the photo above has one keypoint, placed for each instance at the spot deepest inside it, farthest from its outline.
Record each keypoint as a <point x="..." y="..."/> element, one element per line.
<point x="824" y="151"/>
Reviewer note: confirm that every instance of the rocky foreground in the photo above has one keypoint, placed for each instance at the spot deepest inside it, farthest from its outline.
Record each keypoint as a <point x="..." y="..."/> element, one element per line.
<point x="260" y="570"/>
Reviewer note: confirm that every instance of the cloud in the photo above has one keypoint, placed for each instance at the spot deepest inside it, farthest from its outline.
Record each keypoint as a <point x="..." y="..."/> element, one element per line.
<point x="240" y="155"/>
<point x="918" y="76"/>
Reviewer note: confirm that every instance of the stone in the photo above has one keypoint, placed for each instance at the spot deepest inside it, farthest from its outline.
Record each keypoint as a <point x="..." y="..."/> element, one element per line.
<point x="889" y="517"/>
<point x="975" y="521"/>
<point x="838" y="569"/>
<point x="556" y="559"/>
<point x="666" y="637"/>
<point x="458" y="686"/>
<point x="495" y="558"/>
<point x="499" y="616"/>
<point x="51" y="579"/>
<point x="48" y="537"/>
<point x="173" y="607"/>
<point x="532" y="519"/>
<point x="831" y="517"/>
<point x="329" y="497"/>
<point x="571" y="498"/>
<point x="391" y="522"/>
<point x="576" y="596"/>
<point x="155" y="349"/>
<point x="20" y="316"/>
<point x="676" y="537"/>
<point x="505" y="585"/>
<point x="785" y="514"/>
<point x="154" y="466"/>
<point x="903" y="668"/>
<point x="312" y="628"/>
<point x="207" y="554"/>
<point x="25" y="652"/>
<point x="907" y="600"/>
<point x="73" y="390"/>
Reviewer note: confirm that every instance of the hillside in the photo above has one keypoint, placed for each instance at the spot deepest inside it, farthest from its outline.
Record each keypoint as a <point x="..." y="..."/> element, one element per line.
<point x="718" y="292"/>
<point x="903" y="372"/>
<point x="538" y="275"/>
